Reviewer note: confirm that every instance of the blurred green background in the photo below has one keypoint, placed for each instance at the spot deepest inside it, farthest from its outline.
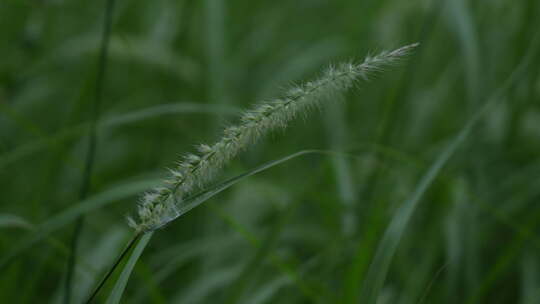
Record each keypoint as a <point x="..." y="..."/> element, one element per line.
<point x="306" y="231"/>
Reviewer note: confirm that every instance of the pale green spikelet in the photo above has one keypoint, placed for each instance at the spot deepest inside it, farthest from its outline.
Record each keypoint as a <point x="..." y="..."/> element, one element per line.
<point x="160" y="205"/>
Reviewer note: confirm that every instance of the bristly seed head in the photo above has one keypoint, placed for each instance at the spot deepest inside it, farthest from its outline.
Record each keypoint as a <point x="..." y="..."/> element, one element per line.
<point x="160" y="205"/>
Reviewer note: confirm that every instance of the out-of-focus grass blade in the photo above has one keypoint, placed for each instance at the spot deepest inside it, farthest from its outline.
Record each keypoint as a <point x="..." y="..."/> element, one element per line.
<point x="290" y="271"/>
<point x="215" y="50"/>
<point x="378" y="270"/>
<point x="169" y="260"/>
<point x="132" y="48"/>
<point x="336" y="127"/>
<point x="426" y="274"/>
<point x="506" y="259"/>
<point x="115" y="120"/>
<point x="66" y="217"/>
<point x="530" y="291"/>
<point x="121" y="283"/>
<point x="386" y="249"/>
<point x="199" y="291"/>
<point x="249" y="270"/>
<point x="167" y="109"/>
<point x="178" y="253"/>
<point x="454" y="234"/>
<point x="267" y="291"/>
<point x="13" y="221"/>
<point x="462" y="22"/>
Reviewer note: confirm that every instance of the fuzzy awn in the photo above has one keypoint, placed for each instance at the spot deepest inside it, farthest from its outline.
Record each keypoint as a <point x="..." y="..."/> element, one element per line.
<point x="160" y="205"/>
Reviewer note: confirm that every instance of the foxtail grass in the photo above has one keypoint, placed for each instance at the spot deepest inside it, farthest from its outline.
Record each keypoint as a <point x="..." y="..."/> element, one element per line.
<point x="160" y="206"/>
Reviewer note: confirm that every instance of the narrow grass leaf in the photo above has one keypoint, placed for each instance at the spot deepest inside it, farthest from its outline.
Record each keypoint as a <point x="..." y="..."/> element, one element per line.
<point x="530" y="278"/>
<point x="100" y="256"/>
<point x="13" y="221"/>
<point x="71" y="214"/>
<point x="199" y="291"/>
<point x="203" y="196"/>
<point x="292" y="272"/>
<point x="169" y="260"/>
<point x="113" y="121"/>
<point x="121" y="283"/>
<point x="388" y="245"/>
<point x="464" y="26"/>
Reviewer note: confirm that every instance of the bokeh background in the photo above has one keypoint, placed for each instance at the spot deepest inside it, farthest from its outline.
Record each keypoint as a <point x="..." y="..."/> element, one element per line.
<point x="309" y="230"/>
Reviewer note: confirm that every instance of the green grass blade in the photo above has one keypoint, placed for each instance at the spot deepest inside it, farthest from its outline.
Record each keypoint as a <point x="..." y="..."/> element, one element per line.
<point x="530" y="291"/>
<point x="100" y="256"/>
<point x="388" y="245"/>
<point x="501" y="266"/>
<point x="336" y="127"/>
<point x="114" y="120"/>
<point x="216" y="48"/>
<point x="265" y="293"/>
<point x="13" y="221"/>
<point x="169" y="260"/>
<point x="465" y="30"/>
<point x="167" y="109"/>
<point x="292" y="272"/>
<point x="71" y="214"/>
<point x="378" y="269"/>
<point x="199" y="291"/>
<point x="250" y="269"/>
<point x="201" y="197"/>
<point x="121" y="283"/>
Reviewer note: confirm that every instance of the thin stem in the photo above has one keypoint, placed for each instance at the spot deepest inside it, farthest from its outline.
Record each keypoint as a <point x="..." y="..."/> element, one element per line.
<point x="92" y="145"/>
<point x="116" y="263"/>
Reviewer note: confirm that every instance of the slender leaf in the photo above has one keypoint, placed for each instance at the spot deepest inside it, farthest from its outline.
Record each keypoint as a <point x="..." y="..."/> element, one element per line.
<point x="387" y="247"/>
<point x="113" y="121"/>
<point x="13" y="221"/>
<point x="121" y="283"/>
<point x="56" y="222"/>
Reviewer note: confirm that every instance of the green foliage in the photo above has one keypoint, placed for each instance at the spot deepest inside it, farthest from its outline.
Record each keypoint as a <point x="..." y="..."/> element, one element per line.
<point x="397" y="212"/>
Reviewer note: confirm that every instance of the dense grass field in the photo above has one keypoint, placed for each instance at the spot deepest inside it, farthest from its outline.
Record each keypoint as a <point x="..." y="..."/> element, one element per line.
<point x="420" y="185"/>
